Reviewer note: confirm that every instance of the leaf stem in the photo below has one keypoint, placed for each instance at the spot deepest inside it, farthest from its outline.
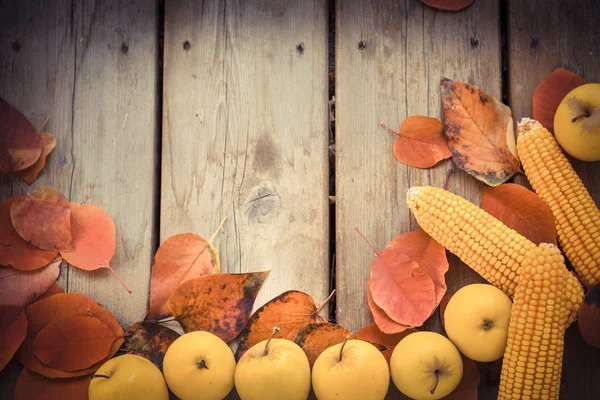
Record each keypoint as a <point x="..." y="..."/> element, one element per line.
<point x="118" y="277"/>
<point x="366" y="240"/>
<point x="448" y="175"/>
<point x="343" y="345"/>
<point x="325" y="302"/>
<point x="387" y="128"/>
<point x="217" y="231"/>
<point x="44" y="124"/>
<point x="168" y="319"/>
<point x="23" y="187"/>
<point x="275" y="330"/>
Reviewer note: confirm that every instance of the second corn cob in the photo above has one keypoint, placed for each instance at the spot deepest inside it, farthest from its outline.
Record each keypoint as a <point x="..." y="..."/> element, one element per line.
<point x="480" y="240"/>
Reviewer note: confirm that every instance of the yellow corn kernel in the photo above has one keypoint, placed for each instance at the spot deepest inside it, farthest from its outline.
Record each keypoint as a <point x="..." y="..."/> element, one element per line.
<point x="576" y="216"/>
<point x="537" y="344"/>
<point x="499" y="266"/>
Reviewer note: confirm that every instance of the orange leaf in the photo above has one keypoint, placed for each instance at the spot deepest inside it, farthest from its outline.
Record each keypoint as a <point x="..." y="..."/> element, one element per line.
<point x="402" y="289"/>
<point x="289" y="311"/>
<point x="314" y="338"/>
<point x="550" y="92"/>
<point x="31" y="173"/>
<point x="43" y="219"/>
<point x="217" y="303"/>
<point x="383" y="321"/>
<point x="12" y="334"/>
<point x="94" y="239"/>
<point x="421" y="142"/>
<point x="14" y="250"/>
<point x="20" y="145"/>
<point x="73" y="343"/>
<point x="150" y="340"/>
<point x="180" y="258"/>
<point x="429" y="254"/>
<point x="480" y="133"/>
<point x="33" y="386"/>
<point x="522" y="210"/>
<point x="54" y="289"/>
<point x="448" y="5"/>
<point x="372" y="334"/>
<point x="54" y="308"/>
<point x="467" y="387"/>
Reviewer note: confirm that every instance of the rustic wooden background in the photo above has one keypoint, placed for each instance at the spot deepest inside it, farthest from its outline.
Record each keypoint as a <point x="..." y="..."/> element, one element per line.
<point x="172" y="115"/>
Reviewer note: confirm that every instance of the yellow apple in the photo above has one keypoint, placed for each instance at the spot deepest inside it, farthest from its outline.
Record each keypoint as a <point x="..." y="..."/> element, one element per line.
<point x="476" y="321"/>
<point x="577" y="122"/>
<point x="426" y="365"/>
<point x="128" y="377"/>
<point x="273" y="369"/>
<point x="199" y="365"/>
<point x="351" y="370"/>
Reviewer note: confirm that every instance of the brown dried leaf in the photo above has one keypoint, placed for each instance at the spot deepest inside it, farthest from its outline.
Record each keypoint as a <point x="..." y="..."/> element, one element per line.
<point x="20" y="145"/>
<point x="31" y="173"/>
<point x="217" y="303"/>
<point x="372" y="334"/>
<point x="12" y="333"/>
<point x="316" y="337"/>
<point x="150" y="340"/>
<point x="33" y="386"/>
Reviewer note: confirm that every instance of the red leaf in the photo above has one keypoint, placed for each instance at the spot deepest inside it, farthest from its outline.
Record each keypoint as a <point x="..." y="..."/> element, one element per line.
<point x="43" y="219"/>
<point x="54" y="289"/>
<point x="549" y="93"/>
<point x="73" y="343"/>
<point x="448" y="5"/>
<point x="467" y="387"/>
<point x="20" y="145"/>
<point x="383" y="321"/>
<point x="31" y="173"/>
<point x="480" y="133"/>
<point x="314" y="338"/>
<point x="12" y="333"/>
<point x="421" y="142"/>
<point x="14" y="250"/>
<point x="180" y="258"/>
<point x="522" y="210"/>
<point x="33" y="386"/>
<point x="372" y="334"/>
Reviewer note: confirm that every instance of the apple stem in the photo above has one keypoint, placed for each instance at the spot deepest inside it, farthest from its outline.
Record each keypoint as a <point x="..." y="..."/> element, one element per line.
<point x="99" y="376"/>
<point x="387" y="128"/>
<point x="217" y="231"/>
<point x="202" y="364"/>
<point x="343" y="345"/>
<point x="437" y="380"/>
<point x="118" y="277"/>
<point x="275" y="330"/>
<point x="586" y="114"/>
<point x="487" y="324"/>
<point x="366" y="240"/>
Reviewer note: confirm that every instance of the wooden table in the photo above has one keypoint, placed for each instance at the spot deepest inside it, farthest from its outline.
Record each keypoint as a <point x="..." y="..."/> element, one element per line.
<point x="172" y="115"/>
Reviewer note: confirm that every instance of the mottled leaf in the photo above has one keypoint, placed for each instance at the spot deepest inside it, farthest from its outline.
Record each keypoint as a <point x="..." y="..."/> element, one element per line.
<point x="316" y="337"/>
<point x="150" y="340"/>
<point x="33" y="386"/>
<point x="12" y="333"/>
<point x="31" y="173"/>
<point x="20" y="145"/>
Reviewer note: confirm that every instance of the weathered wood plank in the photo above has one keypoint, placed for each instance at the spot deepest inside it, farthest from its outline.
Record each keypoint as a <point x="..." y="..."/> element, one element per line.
<point x="543" y="36"/>
<point x="245" y="136"/>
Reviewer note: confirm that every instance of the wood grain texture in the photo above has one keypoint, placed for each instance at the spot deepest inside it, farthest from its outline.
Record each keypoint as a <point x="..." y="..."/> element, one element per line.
<point x="245" y="136"/>
<point x="543" y="36"/>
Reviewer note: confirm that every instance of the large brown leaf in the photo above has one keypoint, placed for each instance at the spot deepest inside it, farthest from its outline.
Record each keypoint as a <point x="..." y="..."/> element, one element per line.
<point x="217" y="303"/>
<point x="12" y="333"/>
<point x="43" y="219"/>
<point x="467" y="387"/>
<point x="73" y="343"/>
<point x="383" y="321"/>
<point x="20" y="145"/>
<point x="522" y="210"/>
<point x="14" y="250"/>
<point x="180" y="258"/>
<point x="32" y="386"/>
<point x="289" y="311"/>
<point x="550" y="92"/>
<point x="372" y="334"/>
<point x="150" y="340"/>
<point x="316" y="337"/>
<point x="31" y="173"/>
<point x="54" y="308"/>
<point x="480" y="133"/>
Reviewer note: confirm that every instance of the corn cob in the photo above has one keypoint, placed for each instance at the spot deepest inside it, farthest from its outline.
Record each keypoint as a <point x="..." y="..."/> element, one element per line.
<point x="533" y="356"/>
<point x="576" y="216"/>
<point x="480" y="240"/>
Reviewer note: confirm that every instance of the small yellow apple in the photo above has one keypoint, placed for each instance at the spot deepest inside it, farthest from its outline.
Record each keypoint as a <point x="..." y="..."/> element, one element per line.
<point x="273" y="369"/>
<point x="352" y="370"/>
<point x="426" y="366"/>
<point x="577" y="122"/>
<point x="128" y="377"/>
<point x="199" y="365"/>
<point x="476" y="321"/>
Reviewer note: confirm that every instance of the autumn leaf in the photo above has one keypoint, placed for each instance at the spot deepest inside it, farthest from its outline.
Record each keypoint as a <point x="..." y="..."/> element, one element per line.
<point x="448" y="5"/>
<point x="371" y="333"/>
<point x="12" y="334"/>
<point x="443" y="305"/>
<point x="421" y="142"/>
<point x="54" y="289"/>
<point x="180" y="258"/>
<point x="480" y="133"/>
<point x="15" y="251"/>
<point x="522" y="210"/>
<point x="43" y="219"/>
<point x="94" y="239"/>
<point x="31" y="173"/>
<point x="150" y="340"/>
<point x="429" y="254"/>
<point x="550" y="92"/>
<point x="289" y="311"/>
<point x="382" y="320"/>
<point x="316" y="337"/>
<point x="467" y="387"/>
<point x="33" y="386"/>
<point x="20" y="145"/>
<point x="217" y="303"/>
<point x="54" y="308"/>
